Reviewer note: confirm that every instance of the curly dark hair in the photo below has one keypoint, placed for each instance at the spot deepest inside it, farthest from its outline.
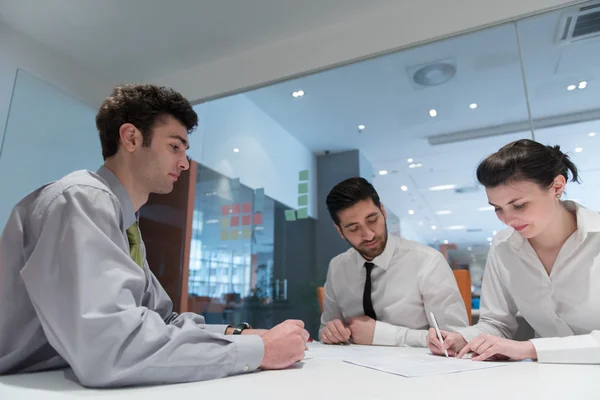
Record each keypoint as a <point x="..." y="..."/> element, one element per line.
<point x="142" y="105"/>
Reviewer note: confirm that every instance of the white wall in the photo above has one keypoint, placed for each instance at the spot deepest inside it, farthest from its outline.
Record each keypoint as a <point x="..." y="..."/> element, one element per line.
<point x="269" y="157"/>
<point x="391" y="27"/>
<point x="18" y="51"/>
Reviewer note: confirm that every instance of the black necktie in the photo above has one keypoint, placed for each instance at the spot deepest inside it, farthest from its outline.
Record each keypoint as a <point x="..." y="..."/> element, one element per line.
<point x="367" y="302"/>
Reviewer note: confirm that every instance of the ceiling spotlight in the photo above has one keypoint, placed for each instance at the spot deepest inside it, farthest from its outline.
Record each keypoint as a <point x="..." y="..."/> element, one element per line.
<point x="442" y="187"/>
<point x="415" y="165"/>
<point x="592" y="134"/>
<point x="571" y="88"/>
<point x="456" y="228"/>
<point x="411" y="212"/>
<point x="410" y="160"/>
<point x="444" y="212"/>
<point x="473" y="106"/>
<point x="432" y="113"/>
<point x="434" y="74"/>
<point x="489" y="239"/>
<point x="469" y="249"/>
<point x="445" y="242"/>
<point x="383" y="172"/>
<point x="361" y="127"/>
<point x="582" y="85"/>
<point x="578" y="149"/>
<point x="403" y="188"/>
<point x="299" y="93"/>
<point x="433" y="227"/>
<point x="236" y="150"/>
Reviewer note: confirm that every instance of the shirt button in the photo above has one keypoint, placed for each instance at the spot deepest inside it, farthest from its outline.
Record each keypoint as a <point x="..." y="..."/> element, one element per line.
<point x="246" y="368"/>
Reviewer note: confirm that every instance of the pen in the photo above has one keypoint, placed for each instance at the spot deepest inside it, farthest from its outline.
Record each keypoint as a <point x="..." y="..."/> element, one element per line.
<point x="437" y="330"/>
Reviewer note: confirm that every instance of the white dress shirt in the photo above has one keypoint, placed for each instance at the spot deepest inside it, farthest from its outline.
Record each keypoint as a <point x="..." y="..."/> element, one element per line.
<point x="409" y="280"/>
<point x="563" y="308"/>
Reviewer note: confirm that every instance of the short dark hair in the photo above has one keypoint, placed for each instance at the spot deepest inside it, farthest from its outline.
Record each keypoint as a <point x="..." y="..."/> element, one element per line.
<point x="348" y="193"/>
<point x="143" y="106"/>
<point x="526" y="160"/>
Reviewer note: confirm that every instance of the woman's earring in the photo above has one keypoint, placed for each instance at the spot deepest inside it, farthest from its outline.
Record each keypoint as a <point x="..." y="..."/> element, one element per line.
<point x="558" y="195"/>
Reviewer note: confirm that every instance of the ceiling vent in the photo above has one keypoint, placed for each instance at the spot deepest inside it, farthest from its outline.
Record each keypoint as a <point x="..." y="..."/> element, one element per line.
<point x="580" y="24"/>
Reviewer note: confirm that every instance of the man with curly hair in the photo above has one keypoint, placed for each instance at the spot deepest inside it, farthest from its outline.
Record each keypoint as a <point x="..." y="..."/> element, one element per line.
<point x="76" y="288"/>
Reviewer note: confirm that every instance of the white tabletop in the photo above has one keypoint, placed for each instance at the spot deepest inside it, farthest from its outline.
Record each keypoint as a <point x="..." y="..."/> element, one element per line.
<point x="334" y="379"/>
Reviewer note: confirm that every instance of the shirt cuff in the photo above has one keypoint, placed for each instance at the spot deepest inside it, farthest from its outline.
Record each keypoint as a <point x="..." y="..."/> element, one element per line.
<point x="470" y="332"/>
<point x="219" y="329"/>
<point x="416" y="338"/>
<point x="385" y="334"/>
<point x="566" y="350"/>
<point x="250" y="353"/>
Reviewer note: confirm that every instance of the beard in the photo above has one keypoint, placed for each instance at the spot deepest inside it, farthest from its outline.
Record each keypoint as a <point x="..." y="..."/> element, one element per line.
<point x="369" y="253"/>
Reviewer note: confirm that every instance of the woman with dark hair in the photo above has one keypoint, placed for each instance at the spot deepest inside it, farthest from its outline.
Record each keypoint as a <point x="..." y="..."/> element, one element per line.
<point x="546" y="265"/>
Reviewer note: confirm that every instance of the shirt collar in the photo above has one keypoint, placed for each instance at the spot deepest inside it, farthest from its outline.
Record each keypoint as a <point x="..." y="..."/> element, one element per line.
<point x="383" y="260"/>
<point x="129" y="217"/>
<point x="587" y="221"/>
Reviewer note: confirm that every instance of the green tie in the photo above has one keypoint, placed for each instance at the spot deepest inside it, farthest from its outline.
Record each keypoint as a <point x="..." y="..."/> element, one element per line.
<point x="135" y="244"/>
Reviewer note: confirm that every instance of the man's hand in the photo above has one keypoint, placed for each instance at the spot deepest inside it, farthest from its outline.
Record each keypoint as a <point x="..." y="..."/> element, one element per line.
<point x="335" y="332"/>
<point x="489" y="347"/>
<point x="284" y="345"/>
<point x="453" y="342"/>
<point x="362" y="329"/>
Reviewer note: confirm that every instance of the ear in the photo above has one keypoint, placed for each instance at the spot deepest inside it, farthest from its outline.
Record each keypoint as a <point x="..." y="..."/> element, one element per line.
<point x="558" y="186"/>
<point x="339" y="230"/>
<point x="382" y="208"/>
<point x="131" y="137"/>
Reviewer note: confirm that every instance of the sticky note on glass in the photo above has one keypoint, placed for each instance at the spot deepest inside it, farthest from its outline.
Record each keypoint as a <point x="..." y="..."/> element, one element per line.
<point x="302" y="213"/>
<point x="247" y="208"/>
<point x="225" y="210"/>
<point x="303" y="200"/>
<point x="235" y="221"/>
<point x="225" y="222"/>
<point x="246" y="233"/>
<point x="259" y="200"/>
<point x="235" y="209"/>
<point x="246" y="220"/>
<point x="303" y="175"/>
<point x="303" y="188"/>
<point x="224" y="235"/>
<point x="290" y="215"/>
<point x="235" y="235"/>
<point x="257" y="219"/>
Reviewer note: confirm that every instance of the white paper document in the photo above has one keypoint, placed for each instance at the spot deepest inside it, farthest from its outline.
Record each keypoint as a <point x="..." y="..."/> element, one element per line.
<point x="420" y="365"/>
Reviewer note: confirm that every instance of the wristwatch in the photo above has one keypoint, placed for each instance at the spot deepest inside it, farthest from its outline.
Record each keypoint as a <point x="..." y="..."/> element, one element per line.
<point x="238" y="329"/>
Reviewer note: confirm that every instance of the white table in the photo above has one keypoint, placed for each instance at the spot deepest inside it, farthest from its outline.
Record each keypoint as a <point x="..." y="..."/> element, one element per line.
<point x="333" y="379"/>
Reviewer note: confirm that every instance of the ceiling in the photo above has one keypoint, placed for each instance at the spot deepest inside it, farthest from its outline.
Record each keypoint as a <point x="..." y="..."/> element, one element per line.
<point x="380" y="94"/>
<point x="138" y="39"/>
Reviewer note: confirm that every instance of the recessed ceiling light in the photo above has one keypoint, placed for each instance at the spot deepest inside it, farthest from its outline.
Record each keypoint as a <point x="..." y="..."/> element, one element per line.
<point x="582" y="85"/>
<point x="403" y="188"/>
<point x="410" y="160"/>
<point x="469" y="249"/>
<point x="444" y="212"/>
<point x="415" y="165"/>
<point x="489" y="239"/>
<point x="571" y="87"/>
<point x="383" y="172"/>
<point x="487" y="208"/>
<point x="361" y="127"/>
<point x="592" y="134"/>
<point x="432" y="113"/>
<point x="578" y="149"/>
<point x="445" y="242"/>
<point x="456" y="228"/>
<point x="473" y="106"/>
<point x="442" y="187"/>
<point x="236" y="150"/>
<point x="433" y="227"/>
<point x="298" y="93"/>
<point x="411" y="212"/>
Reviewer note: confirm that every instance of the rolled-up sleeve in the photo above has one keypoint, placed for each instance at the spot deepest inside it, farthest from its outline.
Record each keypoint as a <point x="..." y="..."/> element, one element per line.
<point x="88" y="295"/>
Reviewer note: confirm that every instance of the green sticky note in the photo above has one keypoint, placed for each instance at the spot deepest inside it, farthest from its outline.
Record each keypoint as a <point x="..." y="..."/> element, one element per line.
<point x="235" y="235"/>
<point x="224" y="235"/>
<point x="290" y="215"/>
<point x="303" y="200"/>
<point x="246" y="233"/>
<point x="225" y="222"/>
<point x="303" y="188"/>
<point x="303" y="175"/>
<point x="302" y="213"/>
